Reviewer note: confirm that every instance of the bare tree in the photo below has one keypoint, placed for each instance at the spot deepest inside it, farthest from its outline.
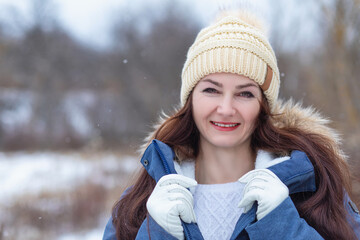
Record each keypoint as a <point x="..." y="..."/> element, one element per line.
<point x="148" y="62"/>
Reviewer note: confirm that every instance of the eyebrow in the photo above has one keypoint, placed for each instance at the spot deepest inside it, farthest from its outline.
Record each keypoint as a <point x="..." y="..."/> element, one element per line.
<point x="237" y="87"/>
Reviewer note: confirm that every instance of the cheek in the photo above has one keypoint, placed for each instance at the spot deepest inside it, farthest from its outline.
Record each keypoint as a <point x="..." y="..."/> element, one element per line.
<point x="199" y="113"/>
<point x="200" y="107"/>
<point x="196" y="111"/>
<point x="252" y="112"/>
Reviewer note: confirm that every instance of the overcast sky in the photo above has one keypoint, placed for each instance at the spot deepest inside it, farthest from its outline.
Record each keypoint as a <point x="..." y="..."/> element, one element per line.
<point x="90" y="20"/>
<point x="84" y="18"/>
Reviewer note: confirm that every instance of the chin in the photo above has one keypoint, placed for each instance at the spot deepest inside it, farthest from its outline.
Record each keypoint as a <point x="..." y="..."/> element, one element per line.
<point x="227" y="143"/>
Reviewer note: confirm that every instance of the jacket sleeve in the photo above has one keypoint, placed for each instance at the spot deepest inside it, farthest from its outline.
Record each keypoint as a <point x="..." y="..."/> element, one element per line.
<point x="353" y="215"/>
<point x="156" y="232"/>
<point x="109" y="233"/>
<point x="283" y="222"/>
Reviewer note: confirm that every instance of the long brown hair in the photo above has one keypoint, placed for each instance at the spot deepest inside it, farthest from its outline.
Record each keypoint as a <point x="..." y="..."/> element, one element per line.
<point x="323" y="210"/>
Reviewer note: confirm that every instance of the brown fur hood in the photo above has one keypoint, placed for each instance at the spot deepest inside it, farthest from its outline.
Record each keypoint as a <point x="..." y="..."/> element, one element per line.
<point x="309" y="120"/>
<point x="289" y="114"/>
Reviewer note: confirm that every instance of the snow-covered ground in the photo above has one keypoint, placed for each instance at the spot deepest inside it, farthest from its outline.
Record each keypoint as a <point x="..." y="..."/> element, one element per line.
<point x="24" y="173"/>
<point x="95" y="234"/>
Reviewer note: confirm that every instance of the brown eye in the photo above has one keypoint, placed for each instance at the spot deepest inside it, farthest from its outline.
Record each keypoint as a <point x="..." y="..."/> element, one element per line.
<point x="210" y="90"/>
<point x="246" y="94"/>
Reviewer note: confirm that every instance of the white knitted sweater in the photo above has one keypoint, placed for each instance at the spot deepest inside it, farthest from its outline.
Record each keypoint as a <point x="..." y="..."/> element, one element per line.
<point x="215" y="205"/>
<point x="216" y="209"/>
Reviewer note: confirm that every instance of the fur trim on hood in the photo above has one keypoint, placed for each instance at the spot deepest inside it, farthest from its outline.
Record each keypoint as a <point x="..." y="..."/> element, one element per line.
<point x="286" y="114"/>
<point x="309" y="120"/>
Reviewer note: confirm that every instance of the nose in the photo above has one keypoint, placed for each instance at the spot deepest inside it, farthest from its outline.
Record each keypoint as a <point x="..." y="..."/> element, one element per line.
<point x="226" y="106"/>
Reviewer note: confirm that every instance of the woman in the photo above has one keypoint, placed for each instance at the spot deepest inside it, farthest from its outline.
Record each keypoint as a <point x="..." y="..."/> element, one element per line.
<point x="234" y="162"/>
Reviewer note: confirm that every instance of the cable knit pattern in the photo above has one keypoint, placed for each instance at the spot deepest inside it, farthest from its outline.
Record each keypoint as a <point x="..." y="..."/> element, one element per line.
<point x="216" y="210"/>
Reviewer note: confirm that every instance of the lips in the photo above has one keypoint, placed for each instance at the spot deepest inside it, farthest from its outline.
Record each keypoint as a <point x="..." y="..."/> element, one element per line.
<point x="225" y="126"/>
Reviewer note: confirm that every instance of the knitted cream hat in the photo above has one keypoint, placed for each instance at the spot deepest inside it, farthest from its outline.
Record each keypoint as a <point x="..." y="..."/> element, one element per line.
<point x="233" y="44"/>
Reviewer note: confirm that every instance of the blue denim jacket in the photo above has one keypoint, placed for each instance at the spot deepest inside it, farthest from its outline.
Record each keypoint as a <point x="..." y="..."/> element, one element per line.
<point x="283" y="222"/>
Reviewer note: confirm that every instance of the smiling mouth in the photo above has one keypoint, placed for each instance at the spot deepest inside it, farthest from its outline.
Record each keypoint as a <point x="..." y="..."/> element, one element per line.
<point x="225" y="125"/>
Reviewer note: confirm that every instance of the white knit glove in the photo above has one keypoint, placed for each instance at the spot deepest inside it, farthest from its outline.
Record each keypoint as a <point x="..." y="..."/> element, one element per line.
<point x="263" y="186"/>
<point x="170" y="201"/>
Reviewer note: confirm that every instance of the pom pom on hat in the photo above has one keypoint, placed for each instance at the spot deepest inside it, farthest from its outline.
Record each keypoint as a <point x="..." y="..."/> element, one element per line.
<point x="235" y="43"/>
<point x="246" y="16"/>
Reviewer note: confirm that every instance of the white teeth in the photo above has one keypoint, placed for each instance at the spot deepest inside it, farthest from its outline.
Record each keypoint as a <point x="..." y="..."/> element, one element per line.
<point x="226" y="125"/>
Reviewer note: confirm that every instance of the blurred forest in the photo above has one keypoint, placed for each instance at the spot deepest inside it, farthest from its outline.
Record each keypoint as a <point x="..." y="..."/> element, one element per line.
<point x="57" y="93"/>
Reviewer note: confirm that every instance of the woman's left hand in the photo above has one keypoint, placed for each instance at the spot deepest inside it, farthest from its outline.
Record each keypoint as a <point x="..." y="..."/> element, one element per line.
<point x="263" y="186"/>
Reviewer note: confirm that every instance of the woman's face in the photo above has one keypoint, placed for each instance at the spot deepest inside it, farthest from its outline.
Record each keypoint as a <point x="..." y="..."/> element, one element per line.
<point x="225" y="109"/>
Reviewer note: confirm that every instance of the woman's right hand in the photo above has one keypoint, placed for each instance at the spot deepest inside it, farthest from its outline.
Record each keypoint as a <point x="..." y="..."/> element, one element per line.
<point x="170" y="202"/>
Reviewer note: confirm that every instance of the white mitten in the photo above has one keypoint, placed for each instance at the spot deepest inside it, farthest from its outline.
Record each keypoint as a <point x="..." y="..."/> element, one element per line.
<point x="170" y="201"/>
<point x="263" y="186"/>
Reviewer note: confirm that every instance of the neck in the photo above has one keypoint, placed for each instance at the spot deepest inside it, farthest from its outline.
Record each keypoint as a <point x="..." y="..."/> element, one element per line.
<point x="215" y="165"/>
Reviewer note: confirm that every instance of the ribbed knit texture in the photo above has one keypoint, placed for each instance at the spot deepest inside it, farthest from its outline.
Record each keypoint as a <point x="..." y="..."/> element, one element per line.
<point x="216" y="210"/>
<point x="231" y="45"/>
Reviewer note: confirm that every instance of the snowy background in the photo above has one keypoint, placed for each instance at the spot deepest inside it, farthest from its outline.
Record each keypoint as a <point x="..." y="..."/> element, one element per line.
<point x="64" y="196"/>
<point x="83" y="81"/>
